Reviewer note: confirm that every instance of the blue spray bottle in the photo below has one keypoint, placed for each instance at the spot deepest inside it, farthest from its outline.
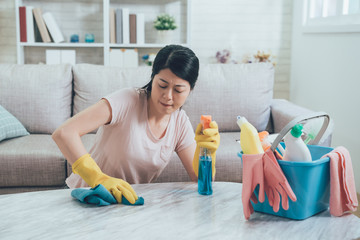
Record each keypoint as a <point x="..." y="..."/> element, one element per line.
<point x="205" y="164"/>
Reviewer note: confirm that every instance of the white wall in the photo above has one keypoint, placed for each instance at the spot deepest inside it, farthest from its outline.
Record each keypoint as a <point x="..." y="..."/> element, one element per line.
<point x="243" y="26"/>
<point x="325" y="76"/>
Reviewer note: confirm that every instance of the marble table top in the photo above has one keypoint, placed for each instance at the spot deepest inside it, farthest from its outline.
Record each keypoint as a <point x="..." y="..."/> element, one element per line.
<point x="171" y="211"/>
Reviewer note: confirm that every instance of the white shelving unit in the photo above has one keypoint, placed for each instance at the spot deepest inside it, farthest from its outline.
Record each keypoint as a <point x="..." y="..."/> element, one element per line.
<point x="180" y="9"/>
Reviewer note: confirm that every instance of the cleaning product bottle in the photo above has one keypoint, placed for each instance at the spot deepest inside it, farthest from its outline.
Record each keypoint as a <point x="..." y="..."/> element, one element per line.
<point x="266" y="145"/>
<point x="205" y="164"/>
<point x="249" y="137"/>
<point x="295" y="148"/>
<point x="263" y="136"/>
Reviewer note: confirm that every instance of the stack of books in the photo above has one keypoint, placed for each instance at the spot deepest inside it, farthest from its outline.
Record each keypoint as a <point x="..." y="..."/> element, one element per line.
<point x="38" y="27"/>
<point x="126" y="27"/>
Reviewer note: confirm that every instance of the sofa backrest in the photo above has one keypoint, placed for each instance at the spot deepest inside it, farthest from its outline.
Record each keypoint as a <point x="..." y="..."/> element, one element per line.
<point x="222" y="90"/>
<point x="225" y="91"/>
<point x="92" y="82"/>
<point x="39" y="96"/>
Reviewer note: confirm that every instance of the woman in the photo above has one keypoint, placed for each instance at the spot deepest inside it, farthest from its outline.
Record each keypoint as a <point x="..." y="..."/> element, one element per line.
<point x="139" y="130"/>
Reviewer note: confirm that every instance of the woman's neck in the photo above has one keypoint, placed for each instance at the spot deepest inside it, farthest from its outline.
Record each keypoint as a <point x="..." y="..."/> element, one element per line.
<point x="158" y="122"/>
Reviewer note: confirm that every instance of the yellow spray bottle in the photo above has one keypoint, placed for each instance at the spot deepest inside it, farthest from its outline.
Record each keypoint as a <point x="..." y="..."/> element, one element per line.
<point x="249" y="137"/>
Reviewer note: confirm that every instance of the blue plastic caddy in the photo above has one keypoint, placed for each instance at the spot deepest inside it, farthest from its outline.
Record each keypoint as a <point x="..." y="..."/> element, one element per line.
<point x="310" y="181"/>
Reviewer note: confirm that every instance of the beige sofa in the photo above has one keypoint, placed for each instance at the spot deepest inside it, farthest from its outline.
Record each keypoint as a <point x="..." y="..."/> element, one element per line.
<point x="41" y="97"/>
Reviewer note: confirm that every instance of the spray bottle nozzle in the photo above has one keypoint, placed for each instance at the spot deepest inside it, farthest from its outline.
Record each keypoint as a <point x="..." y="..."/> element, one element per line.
<point x="205" y="120"/>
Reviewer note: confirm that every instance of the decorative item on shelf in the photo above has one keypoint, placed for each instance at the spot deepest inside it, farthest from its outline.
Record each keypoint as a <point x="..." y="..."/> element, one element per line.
<point x="224" y="56"/>
<point x="60" y="56"/>
<point x="89" y="38"/>
<point x="165" y="25"/>
<point x="260" y="56"/>
<point x="247" y="58"/>
<point x="148" y="59"/>
<point x="74" y="38"/>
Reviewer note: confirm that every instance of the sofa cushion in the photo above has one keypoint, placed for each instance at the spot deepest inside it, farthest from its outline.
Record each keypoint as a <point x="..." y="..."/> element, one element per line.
<point x="227" y="90"/>
<point x="39" y="96"/>
<point x="32" y="160"/>
<point x="10" y="127"/>
<point x="92" y="82"/>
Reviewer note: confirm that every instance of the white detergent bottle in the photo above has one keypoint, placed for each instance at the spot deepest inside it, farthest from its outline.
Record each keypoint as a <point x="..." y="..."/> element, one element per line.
<point x="295" y="148"/>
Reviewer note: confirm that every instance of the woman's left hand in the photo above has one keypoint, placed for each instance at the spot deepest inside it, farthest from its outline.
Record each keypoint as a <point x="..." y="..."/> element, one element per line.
<point x="210" y="139"/>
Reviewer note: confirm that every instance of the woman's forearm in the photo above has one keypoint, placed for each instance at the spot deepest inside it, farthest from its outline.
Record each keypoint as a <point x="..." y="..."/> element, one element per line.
<point x="69" y="143"/>
<point x="68" y="135"/>
<point x="186" y="156"/>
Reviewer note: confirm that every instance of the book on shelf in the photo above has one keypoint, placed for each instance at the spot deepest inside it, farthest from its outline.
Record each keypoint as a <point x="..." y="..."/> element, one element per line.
<point x="37" y="34"/>
<point x="125" y="26"/>
<point x="22" y="22"/>
<point x="132" y="27"/>
<point x="112" y="25"/>
<point x="118" y="26"/>
<point x="45" y="36"/>
<point x="140" y="28"/>
<point x="53" y="27"/>
<point x="30" y="25"/>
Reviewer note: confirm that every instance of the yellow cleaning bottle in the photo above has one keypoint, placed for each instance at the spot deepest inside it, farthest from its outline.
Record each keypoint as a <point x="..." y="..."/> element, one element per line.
<point x="249" y="137"/>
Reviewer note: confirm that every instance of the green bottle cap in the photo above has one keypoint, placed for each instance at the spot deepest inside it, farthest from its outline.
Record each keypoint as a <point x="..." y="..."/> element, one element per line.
<point x="296" y="131"/>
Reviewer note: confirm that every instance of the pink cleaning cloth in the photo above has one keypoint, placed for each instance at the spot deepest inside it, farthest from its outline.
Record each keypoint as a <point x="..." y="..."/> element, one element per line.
<point x="343" y="197"/>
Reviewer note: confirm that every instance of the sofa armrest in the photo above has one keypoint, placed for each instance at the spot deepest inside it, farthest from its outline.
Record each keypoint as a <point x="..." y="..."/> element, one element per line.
<point x="283" y="111"/>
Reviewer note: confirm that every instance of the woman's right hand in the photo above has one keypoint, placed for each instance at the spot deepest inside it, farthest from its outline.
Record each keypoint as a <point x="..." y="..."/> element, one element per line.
<point x="118" y="188"/>
<point x="88" y="170"/>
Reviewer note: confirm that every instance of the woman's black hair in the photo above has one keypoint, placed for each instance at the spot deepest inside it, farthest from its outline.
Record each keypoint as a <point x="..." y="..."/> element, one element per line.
<point x="181" y="60"/>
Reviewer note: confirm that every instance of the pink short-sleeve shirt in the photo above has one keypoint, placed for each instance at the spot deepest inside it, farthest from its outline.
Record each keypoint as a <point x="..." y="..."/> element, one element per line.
<point x="125" y="148"/>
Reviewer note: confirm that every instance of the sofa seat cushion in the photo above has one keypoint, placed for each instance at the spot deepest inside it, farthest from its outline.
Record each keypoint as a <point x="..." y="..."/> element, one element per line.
<point x="228" y="164"/>
<point x="32" y="160"/>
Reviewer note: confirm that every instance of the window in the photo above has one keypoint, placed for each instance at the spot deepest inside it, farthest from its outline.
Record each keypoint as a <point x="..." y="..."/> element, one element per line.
<point x="331" y="16"/>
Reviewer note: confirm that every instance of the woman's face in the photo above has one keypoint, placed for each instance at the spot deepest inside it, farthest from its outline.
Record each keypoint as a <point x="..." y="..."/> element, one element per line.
<point x="169" y="92"/>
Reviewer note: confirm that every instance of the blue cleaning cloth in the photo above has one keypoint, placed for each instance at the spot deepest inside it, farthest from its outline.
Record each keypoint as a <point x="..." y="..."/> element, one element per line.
<point x="100" y="196"/>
